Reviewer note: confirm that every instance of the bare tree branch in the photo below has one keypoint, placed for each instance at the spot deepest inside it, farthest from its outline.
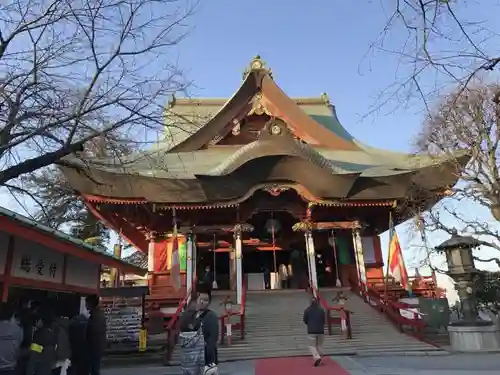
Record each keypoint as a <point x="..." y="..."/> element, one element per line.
<point x="439" y="43"/>
<point x="468" y="120"/>
<point x="74" y="71"/>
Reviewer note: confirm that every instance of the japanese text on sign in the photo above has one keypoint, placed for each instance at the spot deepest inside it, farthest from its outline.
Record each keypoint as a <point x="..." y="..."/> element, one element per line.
<point x="37" y="262"/>
<point x="41" y="268"/>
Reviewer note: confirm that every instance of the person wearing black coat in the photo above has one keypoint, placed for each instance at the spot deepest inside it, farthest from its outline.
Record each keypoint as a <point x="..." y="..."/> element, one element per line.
<point x="314" y="319"/>
<point x="206" y="282"/>
<point x="95" y="336"/>
<point x="77" y="332"/>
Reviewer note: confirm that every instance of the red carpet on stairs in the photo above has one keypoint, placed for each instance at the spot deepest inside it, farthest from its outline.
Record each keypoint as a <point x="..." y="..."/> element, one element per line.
<point x="298" y="366"/>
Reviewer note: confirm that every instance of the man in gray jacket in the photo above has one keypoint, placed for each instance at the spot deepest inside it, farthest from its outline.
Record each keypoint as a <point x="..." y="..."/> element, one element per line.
<point x="314" y="319"/>
<point x="11" y="336"/>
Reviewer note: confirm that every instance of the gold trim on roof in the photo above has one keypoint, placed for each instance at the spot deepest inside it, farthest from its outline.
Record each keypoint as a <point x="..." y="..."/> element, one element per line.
<point x="270" y="188"/>
<point x="257" y="64"/>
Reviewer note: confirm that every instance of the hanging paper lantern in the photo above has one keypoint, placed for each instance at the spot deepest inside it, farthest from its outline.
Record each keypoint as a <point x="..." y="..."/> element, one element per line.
<point x="273" y="224"/>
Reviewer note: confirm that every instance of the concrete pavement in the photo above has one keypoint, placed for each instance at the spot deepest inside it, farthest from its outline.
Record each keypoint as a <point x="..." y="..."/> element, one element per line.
<point x="454" y="364"/>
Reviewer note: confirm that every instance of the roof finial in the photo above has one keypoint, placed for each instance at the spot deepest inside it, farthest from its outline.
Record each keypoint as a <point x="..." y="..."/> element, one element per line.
<point x="257" y="64"/>
<point x="324" y="97"/>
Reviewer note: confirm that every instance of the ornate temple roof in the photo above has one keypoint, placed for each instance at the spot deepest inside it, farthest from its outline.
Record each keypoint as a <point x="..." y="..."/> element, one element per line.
<point x="302" y="143"/>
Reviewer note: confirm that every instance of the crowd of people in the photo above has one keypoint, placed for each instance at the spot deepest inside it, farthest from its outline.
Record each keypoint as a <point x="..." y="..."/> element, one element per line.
<point x="37" y="340"/>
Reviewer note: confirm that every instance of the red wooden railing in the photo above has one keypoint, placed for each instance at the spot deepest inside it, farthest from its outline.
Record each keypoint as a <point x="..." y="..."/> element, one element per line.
<point x="344" y="315"/>
<point x="383" y="303"/>
<point x="228" y="315"/>
<point x="172" y="328"/>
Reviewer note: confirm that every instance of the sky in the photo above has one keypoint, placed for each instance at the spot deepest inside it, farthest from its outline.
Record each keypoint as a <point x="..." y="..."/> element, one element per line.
<point x="312" y="47"/>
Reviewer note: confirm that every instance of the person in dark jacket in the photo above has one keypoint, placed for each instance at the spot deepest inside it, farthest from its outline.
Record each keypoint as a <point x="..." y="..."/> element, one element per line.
<point x="314" y="319"/>
<point x="42" y="355"/>
<point x="27" y="317"/>
<point x="95" y="335"/>
<point x="77" y="332"/>
<point x="267" y="277"/>
<point x="207" y="282"/>
<point x="210" y="329"/>
<point x="191" y="340"/>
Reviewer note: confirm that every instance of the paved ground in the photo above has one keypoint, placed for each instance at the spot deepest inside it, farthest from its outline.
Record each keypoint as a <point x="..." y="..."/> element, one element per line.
<point x="456" y="364"/>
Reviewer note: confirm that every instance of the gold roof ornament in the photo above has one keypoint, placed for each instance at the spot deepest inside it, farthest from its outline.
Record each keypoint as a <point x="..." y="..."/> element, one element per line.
<point x="256" y="64"/>
<point x="258" y="106"/>
<point x="325" y="98"/>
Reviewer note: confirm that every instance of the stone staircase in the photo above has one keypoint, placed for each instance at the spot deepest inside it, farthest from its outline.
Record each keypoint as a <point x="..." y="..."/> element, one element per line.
<point x="372" y="333"/>
<point x="274" y="328"/>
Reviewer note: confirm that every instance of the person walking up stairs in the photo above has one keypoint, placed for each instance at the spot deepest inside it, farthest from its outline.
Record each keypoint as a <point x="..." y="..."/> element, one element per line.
<point x="314" y="319"/>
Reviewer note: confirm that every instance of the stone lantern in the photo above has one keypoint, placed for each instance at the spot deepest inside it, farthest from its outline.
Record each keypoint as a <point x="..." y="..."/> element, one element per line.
<point x="470" y="333"/>
<point x="461" y="269"/>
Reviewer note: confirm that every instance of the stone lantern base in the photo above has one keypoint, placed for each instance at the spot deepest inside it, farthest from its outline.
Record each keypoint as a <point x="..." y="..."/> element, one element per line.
<point x="474" y="338"/>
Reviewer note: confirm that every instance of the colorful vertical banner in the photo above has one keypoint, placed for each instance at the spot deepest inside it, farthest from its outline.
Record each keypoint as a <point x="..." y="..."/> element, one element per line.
<point x="175" y="271"/>
<point x="182" y="250"/>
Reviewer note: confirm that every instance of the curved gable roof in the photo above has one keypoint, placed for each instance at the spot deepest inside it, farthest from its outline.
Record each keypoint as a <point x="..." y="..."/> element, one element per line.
<point x="258" y="80"/>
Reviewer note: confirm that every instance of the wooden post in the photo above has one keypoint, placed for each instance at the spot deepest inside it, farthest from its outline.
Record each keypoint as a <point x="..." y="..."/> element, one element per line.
<point x="360" y="260"/>
<point x="312" y="254"/>
<point x="151" y="258"/>
<point x="391" y="229"/>
<point x="239" y="268"/>
<point x="308" y="261"/>
<point x="189" y="263"/>
<point x="8" y="268"/>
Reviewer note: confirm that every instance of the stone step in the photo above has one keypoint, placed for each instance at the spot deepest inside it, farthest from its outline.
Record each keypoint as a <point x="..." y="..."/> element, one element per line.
<point x="274" y="328"/>
<point x="242" y="352"/>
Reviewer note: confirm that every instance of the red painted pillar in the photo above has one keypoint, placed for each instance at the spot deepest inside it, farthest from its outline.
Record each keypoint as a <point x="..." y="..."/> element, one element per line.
<point x="8" y="268"/>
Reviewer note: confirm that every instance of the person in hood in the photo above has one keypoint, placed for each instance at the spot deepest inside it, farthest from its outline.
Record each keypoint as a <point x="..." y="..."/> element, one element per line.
<point x="11" y="336"/>
<point x="314" y="319"/>
<point x="95" y="334"/>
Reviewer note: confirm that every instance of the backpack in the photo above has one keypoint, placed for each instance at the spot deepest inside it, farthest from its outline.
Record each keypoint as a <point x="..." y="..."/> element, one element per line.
<point x="191" y="338"/>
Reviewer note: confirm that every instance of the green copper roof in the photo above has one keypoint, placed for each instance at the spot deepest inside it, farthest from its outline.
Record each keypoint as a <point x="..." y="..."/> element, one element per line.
<point x="184" y="120"/>
<point x="163" y="164"/>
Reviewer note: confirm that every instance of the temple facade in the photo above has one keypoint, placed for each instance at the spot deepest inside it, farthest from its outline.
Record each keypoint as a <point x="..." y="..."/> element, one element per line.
<point x="259" y="182"/>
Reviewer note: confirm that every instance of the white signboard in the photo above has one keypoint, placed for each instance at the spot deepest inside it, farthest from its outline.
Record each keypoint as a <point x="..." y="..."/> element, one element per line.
<point x="82" y="273"/>
<point x="368" y="250"/>
<point x="36" y="262"/>
<point x="4" y="245"/>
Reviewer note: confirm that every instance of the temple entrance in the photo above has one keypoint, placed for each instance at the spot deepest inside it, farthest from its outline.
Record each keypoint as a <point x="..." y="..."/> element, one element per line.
<point x="274" y="255"/>
<point x="267" y="260"/>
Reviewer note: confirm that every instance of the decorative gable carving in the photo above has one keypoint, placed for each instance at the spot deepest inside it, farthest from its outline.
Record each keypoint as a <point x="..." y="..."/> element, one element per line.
<point x="258" y="106"/>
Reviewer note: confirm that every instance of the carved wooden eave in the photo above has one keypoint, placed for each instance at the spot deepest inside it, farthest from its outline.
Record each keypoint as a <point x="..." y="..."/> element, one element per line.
<point x="309" y="226"/>
<point x="214" y="229"/>
<point x="271" y="188"/>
